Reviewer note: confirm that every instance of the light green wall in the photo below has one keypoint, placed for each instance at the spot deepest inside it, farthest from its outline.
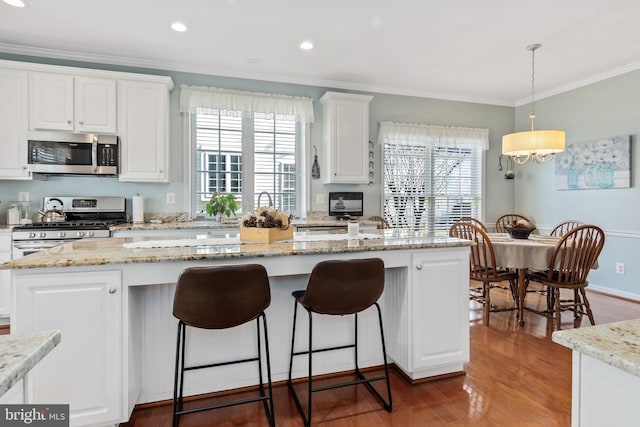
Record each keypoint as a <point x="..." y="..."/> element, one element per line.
<point x="603" y="109"/>
<point x="499" y="120"/>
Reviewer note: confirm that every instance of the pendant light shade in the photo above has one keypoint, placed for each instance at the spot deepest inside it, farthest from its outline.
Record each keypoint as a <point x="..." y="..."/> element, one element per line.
<point x="539" y="145"/>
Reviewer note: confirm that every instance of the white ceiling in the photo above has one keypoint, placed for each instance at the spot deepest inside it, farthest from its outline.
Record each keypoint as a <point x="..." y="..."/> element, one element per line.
<point x="468" y="50"/>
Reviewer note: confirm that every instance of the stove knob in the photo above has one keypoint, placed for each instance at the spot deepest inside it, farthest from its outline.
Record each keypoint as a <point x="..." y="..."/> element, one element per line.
<point x="32" y="235"/>
<point x="61" y="234"/>
<point x="80" y="233"/>
<point x="90" y="233"/>
<point x="43" y="234"/>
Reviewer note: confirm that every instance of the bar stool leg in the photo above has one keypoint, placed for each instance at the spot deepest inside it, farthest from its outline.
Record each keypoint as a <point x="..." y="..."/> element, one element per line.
<point x="178" y="381"/>
<point x="268" y="409"/>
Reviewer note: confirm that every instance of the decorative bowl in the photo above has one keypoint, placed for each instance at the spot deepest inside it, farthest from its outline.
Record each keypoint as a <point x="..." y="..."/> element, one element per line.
<point x="519" y="231"/>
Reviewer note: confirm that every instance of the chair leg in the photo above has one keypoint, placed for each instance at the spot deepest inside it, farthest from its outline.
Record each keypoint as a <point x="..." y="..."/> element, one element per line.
<point x="585" y="301"/>
<point x="556" y="292"/>
<point x="267" y="408"/>
<point x="178" y="379"/>
<point x="306" y="418"/>
<point x="486" y="308"/>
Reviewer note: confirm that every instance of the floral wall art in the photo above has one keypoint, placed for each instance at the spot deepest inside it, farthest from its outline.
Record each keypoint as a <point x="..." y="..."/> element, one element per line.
<point x="597" y="164"/>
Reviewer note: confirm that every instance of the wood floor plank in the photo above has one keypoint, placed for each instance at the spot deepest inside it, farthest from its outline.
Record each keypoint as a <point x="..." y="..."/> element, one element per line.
<point x="516" y="376"/>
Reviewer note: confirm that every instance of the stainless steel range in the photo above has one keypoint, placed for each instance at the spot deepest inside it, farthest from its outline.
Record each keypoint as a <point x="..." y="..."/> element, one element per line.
<point x="67" y="219"/>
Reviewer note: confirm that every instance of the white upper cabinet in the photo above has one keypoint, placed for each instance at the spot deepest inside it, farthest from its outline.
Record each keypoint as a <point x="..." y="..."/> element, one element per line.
<point x="143" y="127"/>
<point x="346" y="137"/>
<point x="72" y="103"/>
<point x="13" y="124"/>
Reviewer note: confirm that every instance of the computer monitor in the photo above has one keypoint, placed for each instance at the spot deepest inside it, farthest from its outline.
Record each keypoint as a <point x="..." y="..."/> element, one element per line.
<point x="346" y="204"/>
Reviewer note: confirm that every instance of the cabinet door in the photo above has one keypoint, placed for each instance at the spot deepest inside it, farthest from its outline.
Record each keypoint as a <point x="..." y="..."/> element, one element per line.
<point x="85" y="369"/>
<point x="346" y="137"/>
<point x="50" y="101"/>
<point x="440" y="301"/>
<point x="143" y="127"/>
<point x="5" y="284"/>
<point x="13" y="125"/>
<point x="95" y="105"/>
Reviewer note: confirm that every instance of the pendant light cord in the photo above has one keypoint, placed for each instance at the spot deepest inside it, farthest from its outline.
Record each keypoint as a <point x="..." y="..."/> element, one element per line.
<point x="533" y="48"/>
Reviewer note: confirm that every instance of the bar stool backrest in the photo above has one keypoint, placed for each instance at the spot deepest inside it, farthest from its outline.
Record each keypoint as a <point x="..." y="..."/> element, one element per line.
<point x="221" y="297"/>
<point x="344" y="286"/>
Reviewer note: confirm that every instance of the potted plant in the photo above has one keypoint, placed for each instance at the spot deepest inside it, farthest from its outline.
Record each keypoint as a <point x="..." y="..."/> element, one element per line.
<point x="222" y="204"/>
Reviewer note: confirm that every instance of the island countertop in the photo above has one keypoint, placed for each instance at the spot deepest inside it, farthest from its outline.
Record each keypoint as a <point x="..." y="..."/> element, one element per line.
<point x="225" y="224"/>
<point x="111" y="250"/>
<point x="21" y="352"/>
<point x="616" y="344"/>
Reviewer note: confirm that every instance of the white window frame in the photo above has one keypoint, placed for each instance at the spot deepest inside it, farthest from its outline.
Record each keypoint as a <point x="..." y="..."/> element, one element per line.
<point x="303" y="184"/>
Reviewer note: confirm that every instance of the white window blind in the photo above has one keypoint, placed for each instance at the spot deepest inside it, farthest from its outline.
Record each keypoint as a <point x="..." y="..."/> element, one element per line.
<point x="432" y="175"/>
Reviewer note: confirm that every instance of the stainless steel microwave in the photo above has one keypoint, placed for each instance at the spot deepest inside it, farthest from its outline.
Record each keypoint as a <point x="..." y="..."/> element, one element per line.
<point x="73" y="153"/>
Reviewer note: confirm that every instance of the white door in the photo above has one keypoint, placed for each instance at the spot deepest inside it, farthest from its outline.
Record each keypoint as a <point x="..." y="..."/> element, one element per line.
<point x="85" y="369"/>
<point x="13" y="124"/>
<point x="95" y="104"/>
<point x="50" y="101"/>
<point x="143" y="127"/>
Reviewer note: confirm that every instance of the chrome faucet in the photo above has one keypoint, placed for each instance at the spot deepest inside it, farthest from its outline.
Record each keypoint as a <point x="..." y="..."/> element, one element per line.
<point x="270" y="201"/>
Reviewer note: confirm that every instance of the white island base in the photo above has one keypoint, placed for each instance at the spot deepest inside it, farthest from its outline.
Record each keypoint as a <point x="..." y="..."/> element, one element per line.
<point x="120" y="335"/>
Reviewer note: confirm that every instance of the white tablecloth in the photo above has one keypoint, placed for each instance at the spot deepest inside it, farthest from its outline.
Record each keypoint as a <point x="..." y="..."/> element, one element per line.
<point x="534" y="252"/>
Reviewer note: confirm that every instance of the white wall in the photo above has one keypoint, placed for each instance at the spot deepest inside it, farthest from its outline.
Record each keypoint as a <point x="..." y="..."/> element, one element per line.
<point x="603" y="109"/>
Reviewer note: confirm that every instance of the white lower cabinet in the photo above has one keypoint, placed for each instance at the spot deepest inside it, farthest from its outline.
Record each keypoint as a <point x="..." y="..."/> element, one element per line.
<point x="429" y="313"/>
<point x="85" y="370"/>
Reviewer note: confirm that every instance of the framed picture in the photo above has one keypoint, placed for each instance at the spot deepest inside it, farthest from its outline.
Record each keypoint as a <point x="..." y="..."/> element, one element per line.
<point x="597" y="164"/>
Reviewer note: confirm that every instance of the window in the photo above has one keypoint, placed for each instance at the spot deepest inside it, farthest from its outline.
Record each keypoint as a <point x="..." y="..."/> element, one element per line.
<point x="230" y="150"/>
<point x="429" y="182"/>
<point x="219" y="156"/>
<point x="275" y="160"/>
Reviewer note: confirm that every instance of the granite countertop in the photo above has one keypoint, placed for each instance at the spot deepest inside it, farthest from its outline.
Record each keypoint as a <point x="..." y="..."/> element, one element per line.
<point x="21" y="352"/>
<point x="227" y="223"/>
<point x="111" y="251"/>
<point x="616" y="344"/>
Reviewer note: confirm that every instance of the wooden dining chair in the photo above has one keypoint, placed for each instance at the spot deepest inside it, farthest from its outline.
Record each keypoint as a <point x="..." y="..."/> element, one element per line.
<point x="509" y="219"/>
<point x="382" y="222"/>
<point x="474" y="221"/>
<point x="565" y="226"/>
<point x="483" y="267"/>
<point x="573" y="258"/>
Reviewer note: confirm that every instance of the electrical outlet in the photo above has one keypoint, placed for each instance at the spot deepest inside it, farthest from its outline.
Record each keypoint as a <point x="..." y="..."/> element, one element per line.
<point x="619" y="268"/>
<point x="171" y="198"/>
<point x="320" y="198"/>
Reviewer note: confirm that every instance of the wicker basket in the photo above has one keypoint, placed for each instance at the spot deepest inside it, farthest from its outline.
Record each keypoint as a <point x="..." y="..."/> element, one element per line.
<point x="265" y="235"/>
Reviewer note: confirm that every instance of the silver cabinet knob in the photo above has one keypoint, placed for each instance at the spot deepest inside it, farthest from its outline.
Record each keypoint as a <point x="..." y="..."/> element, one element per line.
<point x="81" y="122"/>
<point x="112" y="290"/>
<point x="419" y="267"/>
<point x="68" y="122"/>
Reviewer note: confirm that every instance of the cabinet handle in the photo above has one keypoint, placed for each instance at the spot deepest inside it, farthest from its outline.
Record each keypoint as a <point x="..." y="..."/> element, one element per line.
<point x="81" y="122"/>
<point x="112" y="290"/>
<point x="68" y="122"/>
<point x="419" y="267"/>
<point x="24" y="168"/>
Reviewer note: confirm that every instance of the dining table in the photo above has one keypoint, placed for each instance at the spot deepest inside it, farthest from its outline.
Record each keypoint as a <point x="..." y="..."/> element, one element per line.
<point x="521" y="255"/>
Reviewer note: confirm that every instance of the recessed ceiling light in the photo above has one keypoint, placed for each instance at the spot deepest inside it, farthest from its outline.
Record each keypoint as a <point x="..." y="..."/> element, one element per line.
<point x="306" y="45"/>
<point x="15" y="3"/>
<point x="179" y="27"/>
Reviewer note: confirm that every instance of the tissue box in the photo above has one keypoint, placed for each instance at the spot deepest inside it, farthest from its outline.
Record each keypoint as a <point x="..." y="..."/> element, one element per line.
<point x="265" y="235"/>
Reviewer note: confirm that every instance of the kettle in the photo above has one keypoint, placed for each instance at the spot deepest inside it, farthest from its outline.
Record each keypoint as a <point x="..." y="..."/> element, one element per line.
<point x="52" y="215"/>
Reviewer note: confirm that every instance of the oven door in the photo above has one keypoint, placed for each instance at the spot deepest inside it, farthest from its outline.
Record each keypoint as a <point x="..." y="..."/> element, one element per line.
<point x="22" y="248"/>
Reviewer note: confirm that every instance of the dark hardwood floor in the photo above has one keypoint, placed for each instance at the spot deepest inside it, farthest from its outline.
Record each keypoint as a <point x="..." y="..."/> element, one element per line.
<point x="516" y="376"/>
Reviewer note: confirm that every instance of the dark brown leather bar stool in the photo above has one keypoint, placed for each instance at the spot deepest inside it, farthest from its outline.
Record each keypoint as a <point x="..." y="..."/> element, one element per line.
<point x="220" y="298"/>
<point x="340" y="288"/>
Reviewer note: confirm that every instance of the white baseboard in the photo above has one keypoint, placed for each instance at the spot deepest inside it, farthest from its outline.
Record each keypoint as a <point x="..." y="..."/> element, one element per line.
<point x="615" y="292"/>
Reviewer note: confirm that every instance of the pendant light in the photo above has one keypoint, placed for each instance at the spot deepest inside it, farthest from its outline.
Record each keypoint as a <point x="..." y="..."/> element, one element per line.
<point x="539" y="145"/>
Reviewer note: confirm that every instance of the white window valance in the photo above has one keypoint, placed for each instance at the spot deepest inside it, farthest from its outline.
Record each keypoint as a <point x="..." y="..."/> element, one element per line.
<point x="246" y="103"/>
<point x="433" y="135"/>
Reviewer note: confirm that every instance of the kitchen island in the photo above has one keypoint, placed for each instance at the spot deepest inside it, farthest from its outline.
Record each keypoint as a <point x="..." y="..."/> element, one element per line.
<point x="112" y="299"/>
